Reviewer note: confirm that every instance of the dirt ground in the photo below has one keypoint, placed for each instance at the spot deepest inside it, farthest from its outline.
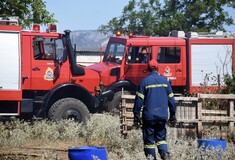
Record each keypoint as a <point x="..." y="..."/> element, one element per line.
<point x="33" y="153"/>
<point x="37" y="150"/>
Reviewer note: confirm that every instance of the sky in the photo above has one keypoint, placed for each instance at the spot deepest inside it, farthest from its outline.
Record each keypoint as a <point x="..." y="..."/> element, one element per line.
<point x="84" y="14"/>
<point x="90" y="14"/>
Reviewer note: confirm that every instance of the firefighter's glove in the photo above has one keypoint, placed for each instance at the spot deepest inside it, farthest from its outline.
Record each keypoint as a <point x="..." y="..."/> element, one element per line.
<point x="137" y="124"/>
<point x="172" y="121"/>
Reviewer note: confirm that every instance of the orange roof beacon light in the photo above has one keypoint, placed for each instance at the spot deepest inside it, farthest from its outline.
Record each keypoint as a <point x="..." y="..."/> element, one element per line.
<point x="36" y="27"/>
<point x="118" y="33"/>
<point x="51" y="28"/>
<point x="130" y="35"/>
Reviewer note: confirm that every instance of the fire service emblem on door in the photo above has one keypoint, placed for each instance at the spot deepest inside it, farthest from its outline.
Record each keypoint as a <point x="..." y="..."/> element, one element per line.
<point x="49" y="74"/>
<point x="167" y="71"/>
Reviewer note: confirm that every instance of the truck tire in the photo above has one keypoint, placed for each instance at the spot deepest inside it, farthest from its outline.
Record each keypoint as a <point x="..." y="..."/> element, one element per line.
<point x="69" y="108"/>
<point x="113" y="106"/>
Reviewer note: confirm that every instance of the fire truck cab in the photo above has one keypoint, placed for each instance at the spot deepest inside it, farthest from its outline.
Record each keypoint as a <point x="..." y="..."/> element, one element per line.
<point x="40" y="77"/>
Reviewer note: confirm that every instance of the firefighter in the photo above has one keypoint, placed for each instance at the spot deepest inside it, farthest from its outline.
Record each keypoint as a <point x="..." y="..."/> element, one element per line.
<point x="154" y="95"/>
<point x="143" y="56"/>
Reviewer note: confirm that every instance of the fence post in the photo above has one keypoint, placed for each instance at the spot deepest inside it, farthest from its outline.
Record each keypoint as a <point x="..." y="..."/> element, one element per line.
<point x="199" y="117"/>
<point x="123" y="115"/>
<point x="231" y="116"/>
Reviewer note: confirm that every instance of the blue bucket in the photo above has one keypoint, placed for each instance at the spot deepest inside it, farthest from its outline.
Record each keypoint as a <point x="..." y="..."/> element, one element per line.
<point x="87" y="153"/>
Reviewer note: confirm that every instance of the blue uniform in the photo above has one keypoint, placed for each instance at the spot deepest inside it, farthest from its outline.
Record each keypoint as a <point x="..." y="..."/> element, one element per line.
<point x="154" y="95"/>
<point x="144" y="58"/>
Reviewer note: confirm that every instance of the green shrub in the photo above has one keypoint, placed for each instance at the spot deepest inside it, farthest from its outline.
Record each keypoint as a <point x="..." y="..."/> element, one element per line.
<point x="101" y="130"/>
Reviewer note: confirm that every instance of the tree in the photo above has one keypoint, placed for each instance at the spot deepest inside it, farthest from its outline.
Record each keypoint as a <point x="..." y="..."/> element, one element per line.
<point x="27" y="11"/>
<point x="232" y="4"/>
<point x="152" y="18"/>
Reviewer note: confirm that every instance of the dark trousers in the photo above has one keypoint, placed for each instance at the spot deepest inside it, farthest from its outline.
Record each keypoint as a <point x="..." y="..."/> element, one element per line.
<point x="154" y="134"/>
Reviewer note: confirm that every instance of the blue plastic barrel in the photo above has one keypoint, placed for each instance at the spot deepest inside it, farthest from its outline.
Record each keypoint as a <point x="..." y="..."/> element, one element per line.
<point x="212" y="143"/>
<point x="87" y="153"/>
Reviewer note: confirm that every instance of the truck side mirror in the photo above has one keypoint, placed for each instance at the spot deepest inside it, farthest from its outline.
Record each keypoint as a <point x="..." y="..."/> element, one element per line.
<point x="38" y="39"/>
<point x="128" y="55"/>
<point x="64" y="58"/>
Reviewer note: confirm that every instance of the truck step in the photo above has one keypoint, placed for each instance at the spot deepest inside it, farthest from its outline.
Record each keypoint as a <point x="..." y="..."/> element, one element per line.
<point x="38" y="102"/>
<point x="37" y="118"/>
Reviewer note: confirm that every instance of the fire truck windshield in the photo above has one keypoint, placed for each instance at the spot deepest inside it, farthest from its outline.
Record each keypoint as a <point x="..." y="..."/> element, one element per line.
<point x="114" y="52"/>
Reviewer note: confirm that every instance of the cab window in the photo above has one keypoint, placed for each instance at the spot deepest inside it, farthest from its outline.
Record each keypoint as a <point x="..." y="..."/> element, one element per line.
<point x="138" y="54"/>
<point x="168" y="55"/>
<point x="48" y="49"/>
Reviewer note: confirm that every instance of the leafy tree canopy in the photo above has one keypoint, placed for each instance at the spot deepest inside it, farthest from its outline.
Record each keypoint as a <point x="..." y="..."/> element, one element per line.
<point x="150" y="17"/>
<point x="28" y="11"/>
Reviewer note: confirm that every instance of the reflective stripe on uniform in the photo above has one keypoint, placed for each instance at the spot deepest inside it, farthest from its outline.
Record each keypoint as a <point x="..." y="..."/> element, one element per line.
<point x="140" y="95"/>
<point x="171" y="95"/>
<point x="149" y="146"/>
<point x="156" y="85"/>
<point x="160" y="143"/>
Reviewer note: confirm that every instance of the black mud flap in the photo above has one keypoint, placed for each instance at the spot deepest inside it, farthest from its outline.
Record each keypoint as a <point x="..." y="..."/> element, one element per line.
<point x="26" y="106"/>
<point x="102" y="99"/>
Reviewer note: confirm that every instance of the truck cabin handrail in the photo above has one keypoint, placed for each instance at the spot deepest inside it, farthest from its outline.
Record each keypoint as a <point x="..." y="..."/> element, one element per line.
<point x="9" y="21"/>
<point x="218" y="34"/>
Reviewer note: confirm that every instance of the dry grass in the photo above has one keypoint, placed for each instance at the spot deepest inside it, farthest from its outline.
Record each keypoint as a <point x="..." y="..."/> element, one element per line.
<point x="20" y="140"/>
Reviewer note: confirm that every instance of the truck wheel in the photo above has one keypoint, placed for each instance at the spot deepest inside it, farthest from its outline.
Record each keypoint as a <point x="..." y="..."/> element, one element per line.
<point x="69" y="108"/>
<point x="113" y="106"/>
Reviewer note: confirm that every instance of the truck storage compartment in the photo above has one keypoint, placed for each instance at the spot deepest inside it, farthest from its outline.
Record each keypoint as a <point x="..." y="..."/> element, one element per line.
<point x="209" y="60"/>
<point x="10" y="60"/>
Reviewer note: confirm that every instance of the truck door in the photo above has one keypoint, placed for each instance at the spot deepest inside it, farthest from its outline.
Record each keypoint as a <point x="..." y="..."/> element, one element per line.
<point x="171" y="63"/>
<point x="46" y="67"/>
<point x="136" y="67"/>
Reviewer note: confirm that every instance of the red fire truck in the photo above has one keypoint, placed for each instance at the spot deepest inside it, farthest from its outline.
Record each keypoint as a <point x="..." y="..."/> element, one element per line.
<point x="39" y="75"/>
<point x="193" y="62"/>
